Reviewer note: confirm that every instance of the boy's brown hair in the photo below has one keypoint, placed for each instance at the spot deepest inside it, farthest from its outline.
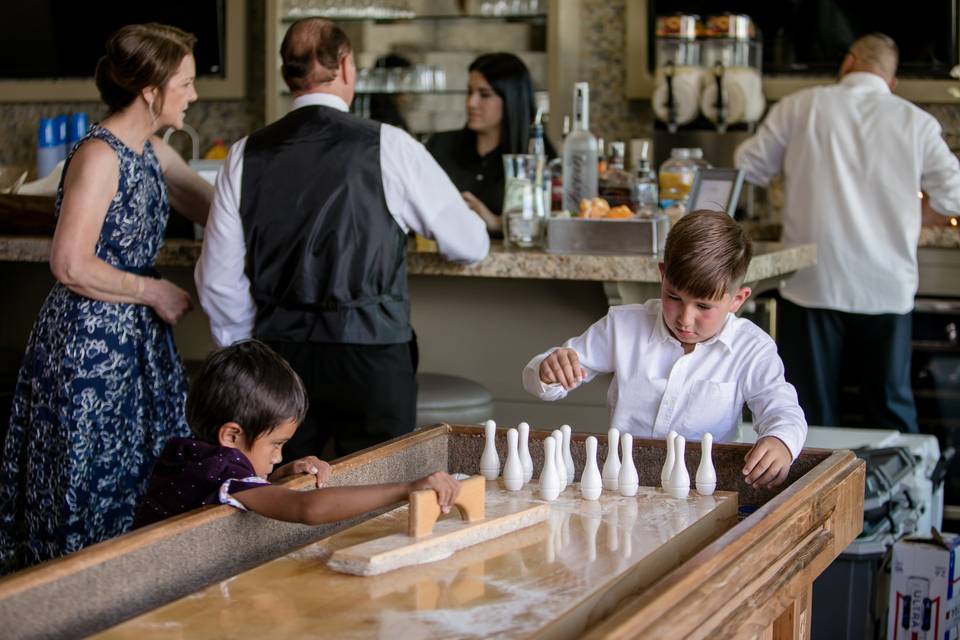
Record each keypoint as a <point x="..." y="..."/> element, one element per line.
<point x="707" y="254"/>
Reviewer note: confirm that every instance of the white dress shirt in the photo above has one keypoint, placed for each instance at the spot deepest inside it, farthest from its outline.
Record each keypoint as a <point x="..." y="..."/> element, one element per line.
<point x="657" y="388"/>
<point x="853" y="158"/>
<point x="418" y="193"/>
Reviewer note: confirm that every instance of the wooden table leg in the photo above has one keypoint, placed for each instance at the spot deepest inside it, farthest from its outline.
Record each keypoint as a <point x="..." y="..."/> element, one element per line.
<point x="794" y="622"/>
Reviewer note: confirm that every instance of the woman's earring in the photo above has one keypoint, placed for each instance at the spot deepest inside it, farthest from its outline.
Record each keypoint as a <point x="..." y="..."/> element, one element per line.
<point x="153" y="115"/>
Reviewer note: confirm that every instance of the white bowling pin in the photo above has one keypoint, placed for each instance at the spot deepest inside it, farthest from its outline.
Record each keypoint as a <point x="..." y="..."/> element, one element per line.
<point x="611" y="467"/>
<point x="549" y="481"/>
<point x="679" y="484"/>
<point x="512" y="468"/>
<point x="591" y="483"/>
<point x="706" y="474"/>
<point x="524" y="429"/>
<point x="668" y="463"/>
<point x="567" y="456"/>
<point x="558" y="459"/>
<point x="628" y="481"/>
<point x="490" y="461"/>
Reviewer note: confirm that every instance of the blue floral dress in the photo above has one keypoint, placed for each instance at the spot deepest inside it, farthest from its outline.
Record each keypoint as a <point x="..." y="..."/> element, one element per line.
<point x="100" y="391"/>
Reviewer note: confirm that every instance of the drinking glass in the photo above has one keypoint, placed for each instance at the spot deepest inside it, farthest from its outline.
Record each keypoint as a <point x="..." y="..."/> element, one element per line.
<point x="525" y="194"/>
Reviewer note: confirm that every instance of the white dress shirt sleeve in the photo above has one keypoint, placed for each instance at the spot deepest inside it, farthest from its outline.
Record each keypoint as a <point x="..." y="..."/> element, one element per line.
<point x="761" y="156"/>
<point x="421" y="198"/>
<point x="772" y="400"/>
<point x="940" y="179"/>
<point x="222" y="283"/>
<point x="593" y="349"/>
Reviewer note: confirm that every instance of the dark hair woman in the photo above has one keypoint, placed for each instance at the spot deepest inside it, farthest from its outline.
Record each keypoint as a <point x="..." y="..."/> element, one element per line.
<point x="500" y="110"/>
<point x="102" y="387"/>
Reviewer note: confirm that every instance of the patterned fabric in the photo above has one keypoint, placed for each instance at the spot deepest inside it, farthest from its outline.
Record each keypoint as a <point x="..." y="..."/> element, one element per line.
<point x="191" y="473"/>
<point x="100" y="391"/>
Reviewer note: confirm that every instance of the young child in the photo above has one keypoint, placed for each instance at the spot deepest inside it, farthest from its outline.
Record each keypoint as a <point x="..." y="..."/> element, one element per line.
<point x="242" y="408"/>
<point x="685" y="362"/>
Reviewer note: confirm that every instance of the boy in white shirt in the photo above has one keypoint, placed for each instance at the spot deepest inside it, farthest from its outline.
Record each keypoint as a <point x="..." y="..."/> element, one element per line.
<point x="686" y="362"/>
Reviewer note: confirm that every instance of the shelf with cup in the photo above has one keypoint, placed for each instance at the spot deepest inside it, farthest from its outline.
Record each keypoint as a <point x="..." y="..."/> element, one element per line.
<point x="535" y="18"/>
<point x="437" y="38"/>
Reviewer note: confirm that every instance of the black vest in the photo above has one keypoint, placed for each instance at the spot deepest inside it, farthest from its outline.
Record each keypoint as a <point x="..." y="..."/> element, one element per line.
<point x="326" y="260"/>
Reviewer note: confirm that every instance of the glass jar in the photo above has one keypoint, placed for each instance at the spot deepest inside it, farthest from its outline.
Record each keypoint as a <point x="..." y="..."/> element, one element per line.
<point x="526" y="199"/>
<point x="676" y="177"/>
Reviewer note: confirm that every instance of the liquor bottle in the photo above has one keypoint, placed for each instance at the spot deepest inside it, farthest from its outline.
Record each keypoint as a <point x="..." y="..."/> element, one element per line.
<point x="556" y="171"/>
<point x="645" y="190"/>
<point x="579" y="154"/>
<point x="616" y="184"/>
<point x="601" y="157"/>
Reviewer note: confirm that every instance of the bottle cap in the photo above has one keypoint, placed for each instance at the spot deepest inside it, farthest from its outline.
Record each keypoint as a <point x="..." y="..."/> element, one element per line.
<point x="47" y="133"/>
<point x="77" y="126"/>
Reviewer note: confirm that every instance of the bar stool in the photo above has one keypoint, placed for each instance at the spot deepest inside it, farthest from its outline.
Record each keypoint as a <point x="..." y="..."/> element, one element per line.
<point x="452" y="399"/>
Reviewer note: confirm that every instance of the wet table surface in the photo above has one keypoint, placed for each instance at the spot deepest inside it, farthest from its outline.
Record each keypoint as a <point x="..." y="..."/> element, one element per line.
<point x="552" y="576"/>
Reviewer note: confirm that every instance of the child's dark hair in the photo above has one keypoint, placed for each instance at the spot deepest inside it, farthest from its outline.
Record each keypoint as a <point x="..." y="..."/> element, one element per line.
<point x="246" y="383"/>
<point x="707" y="254"/>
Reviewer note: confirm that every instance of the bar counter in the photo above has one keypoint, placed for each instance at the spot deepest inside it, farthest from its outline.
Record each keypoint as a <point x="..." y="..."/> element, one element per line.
<point x="771" y="260"/>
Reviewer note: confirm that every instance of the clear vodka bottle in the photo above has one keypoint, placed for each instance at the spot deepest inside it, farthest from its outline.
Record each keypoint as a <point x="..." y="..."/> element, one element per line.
<point x="579" y="154"/>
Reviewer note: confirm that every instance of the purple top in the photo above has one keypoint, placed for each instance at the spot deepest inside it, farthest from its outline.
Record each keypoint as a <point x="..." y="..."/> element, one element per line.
<point x="191" y="473"/>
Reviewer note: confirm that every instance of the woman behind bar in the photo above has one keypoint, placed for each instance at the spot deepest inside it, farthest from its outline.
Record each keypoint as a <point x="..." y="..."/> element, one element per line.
<point x="102" y="388"/>
<point x="500" y="110"/>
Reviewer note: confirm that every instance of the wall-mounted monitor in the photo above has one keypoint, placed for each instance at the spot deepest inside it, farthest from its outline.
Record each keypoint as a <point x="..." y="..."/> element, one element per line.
<point x="49" y="48"/>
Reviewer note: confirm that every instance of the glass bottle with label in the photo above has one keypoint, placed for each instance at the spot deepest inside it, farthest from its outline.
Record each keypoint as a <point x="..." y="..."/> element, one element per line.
<point x="645" y="191"/>
<point x="556" y="171"/>
<point x="616" y="184"/>
<point x="676" y="178"/>
<point x="579" y="154"/>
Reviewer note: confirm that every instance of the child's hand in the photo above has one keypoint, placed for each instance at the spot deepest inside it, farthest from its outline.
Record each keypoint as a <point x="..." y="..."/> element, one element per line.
<point x="563" y="367"/>
<point x="767" y="463"/>
<point x="446" y="487"/>
<point x="309" y="464"/>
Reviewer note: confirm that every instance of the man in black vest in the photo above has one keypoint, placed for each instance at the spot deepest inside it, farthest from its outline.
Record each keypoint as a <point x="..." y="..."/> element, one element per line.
<point x="305" y="247"/>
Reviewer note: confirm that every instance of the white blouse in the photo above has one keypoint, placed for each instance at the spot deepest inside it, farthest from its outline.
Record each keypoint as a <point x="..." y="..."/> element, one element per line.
<point x="657" y="388"/>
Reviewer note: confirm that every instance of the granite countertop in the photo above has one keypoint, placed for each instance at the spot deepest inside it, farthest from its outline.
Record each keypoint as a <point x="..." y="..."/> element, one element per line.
<point x="770" y="260"/>
<point x="931" y="237"/>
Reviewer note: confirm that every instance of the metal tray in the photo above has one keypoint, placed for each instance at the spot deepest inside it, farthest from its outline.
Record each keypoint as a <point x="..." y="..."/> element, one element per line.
<point x="582" y="235"/>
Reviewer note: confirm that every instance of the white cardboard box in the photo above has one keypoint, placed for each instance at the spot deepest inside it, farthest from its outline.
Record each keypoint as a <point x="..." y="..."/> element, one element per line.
<point x="924" y="589"/>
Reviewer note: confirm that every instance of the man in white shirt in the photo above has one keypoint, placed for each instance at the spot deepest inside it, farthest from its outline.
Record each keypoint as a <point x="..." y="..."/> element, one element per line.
<point x="854" y="158"/>
<point x="686" y="362"/>
<point x="305" y="247"/>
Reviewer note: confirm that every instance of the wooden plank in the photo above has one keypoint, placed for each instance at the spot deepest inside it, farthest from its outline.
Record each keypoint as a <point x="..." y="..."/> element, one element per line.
<point x="739" y="584"/>
<point x="794" y="623"/>
<point x="400" y="550"/>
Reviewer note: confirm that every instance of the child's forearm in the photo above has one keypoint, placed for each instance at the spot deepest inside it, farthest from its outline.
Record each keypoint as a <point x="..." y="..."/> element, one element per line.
<point x="319" y="506"/>
<point x="333" y="504"/>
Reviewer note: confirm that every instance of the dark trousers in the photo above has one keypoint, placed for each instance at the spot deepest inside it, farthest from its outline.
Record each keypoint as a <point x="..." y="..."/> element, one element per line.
<point x="360" y="395"/>
<point x="873" y="350"/>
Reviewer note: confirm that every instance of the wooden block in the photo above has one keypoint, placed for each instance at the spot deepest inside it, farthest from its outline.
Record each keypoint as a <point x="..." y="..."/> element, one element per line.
<point x="424" y="508"/>
<point x="399" y="550"/>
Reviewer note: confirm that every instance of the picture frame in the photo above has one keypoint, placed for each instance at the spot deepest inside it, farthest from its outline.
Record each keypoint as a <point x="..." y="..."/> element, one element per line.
<point x="716" y="189"/>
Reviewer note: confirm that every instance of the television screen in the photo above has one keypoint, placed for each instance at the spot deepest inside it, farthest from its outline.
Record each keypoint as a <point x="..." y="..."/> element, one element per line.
<point x="810" y="37"/>
<point x="45" y="39"/>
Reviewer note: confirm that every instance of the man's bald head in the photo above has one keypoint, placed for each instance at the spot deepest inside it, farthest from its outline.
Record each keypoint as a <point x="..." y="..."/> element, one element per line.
<point x="311" y="52"/>
<point x="874" y="53"/>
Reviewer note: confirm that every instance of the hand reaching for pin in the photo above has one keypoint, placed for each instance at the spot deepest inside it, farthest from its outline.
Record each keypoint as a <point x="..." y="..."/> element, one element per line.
<point x="562" y="367"/>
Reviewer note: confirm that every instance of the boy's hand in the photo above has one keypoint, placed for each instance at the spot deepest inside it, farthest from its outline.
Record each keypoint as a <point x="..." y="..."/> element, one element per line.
<point x="562" y="367"/>
<point x="309" y="464"/>
<point x="767" y="463"/>
<point x="446" y="487"/>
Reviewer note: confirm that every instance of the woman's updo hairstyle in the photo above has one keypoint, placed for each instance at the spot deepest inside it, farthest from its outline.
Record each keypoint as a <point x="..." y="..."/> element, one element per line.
<point x="140" y="56"/>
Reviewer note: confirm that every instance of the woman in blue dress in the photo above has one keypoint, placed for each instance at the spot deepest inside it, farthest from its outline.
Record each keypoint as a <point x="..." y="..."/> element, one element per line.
<point x="101" y="387"/>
